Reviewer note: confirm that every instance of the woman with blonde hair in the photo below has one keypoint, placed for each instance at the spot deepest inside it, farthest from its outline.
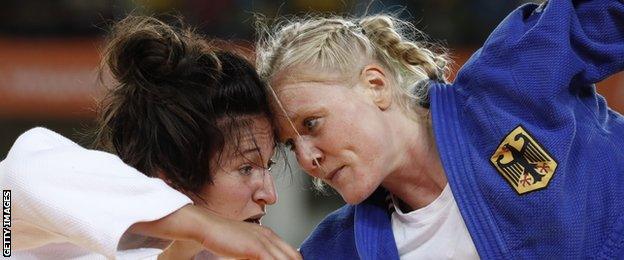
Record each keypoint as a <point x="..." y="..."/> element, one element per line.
<point x="518" y="157"/>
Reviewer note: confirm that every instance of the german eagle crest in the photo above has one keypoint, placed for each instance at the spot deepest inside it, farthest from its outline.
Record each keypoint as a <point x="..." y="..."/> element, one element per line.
<point x="523" y="162"/>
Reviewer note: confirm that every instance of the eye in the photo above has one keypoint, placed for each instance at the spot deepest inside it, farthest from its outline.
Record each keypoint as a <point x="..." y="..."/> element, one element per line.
<point x="270" y="165"/>
<point x="245" y="170"/>
<point x="310" y="123"/>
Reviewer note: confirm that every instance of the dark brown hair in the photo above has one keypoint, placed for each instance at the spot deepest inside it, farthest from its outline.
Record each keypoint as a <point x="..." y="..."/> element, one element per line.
<point x="165" y="113"/>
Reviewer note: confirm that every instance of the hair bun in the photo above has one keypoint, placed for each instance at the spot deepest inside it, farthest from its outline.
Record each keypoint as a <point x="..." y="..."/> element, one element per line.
<point x="145" y="51"/>
<point x="154" y="57"/>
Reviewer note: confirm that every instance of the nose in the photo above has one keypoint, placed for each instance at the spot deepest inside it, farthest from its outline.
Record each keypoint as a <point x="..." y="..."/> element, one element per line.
<point x="308" y="155"/>
<point x="265" y="194"/>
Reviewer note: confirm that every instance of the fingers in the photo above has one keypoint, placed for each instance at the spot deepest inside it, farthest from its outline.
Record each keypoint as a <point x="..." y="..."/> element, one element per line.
<point x="275" y="247"/>
<point x="283" y="248"/>
<point x="240" y="239"/>
<point x="273" y="251"/>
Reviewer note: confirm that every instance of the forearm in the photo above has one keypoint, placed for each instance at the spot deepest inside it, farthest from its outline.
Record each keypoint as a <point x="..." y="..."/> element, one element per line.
<point x="217" y="234"/>
<point x="185" y="224"/>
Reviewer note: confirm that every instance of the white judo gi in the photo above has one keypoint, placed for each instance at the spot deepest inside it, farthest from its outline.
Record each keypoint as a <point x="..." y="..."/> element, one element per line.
<point x="69" y="202"/>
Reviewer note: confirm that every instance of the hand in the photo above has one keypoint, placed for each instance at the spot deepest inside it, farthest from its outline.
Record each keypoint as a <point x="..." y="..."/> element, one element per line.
<point x="246" y="240"/>
<point x="181" y="250"/>
<point x="221" y="236"/>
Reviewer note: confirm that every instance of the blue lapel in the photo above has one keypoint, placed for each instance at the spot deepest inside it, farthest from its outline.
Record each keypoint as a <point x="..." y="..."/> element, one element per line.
<point x="373" y="228"/>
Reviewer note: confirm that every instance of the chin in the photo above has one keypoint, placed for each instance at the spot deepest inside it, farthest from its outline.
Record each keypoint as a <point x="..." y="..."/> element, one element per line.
<point x="357" y="191"/>
<point x="354" y="197"/>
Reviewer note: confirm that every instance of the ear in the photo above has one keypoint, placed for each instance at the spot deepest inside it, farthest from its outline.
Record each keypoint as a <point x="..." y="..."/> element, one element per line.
<point x="373" y="78"/>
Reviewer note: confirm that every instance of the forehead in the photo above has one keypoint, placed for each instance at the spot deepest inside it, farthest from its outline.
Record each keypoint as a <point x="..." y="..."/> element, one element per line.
<point x="248" y="133"/>
<point x="296" y="98"/>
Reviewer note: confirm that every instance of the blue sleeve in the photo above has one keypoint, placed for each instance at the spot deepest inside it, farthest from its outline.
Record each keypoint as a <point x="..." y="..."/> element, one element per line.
<point x="546" y="48"/>
<point x="333" y="238"/>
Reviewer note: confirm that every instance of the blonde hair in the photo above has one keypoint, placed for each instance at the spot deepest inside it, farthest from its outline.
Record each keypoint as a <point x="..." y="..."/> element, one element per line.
<point x="346" y="45"/>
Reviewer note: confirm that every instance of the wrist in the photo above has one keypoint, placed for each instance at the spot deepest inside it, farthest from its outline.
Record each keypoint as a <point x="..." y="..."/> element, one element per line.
<point x="182" y="224"/>
<point x="200" y="221"/>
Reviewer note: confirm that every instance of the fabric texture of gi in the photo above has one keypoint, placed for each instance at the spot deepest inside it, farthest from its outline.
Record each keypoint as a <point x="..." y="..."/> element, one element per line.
<point x="69" y="202"/>
<point x="536" y="71"/>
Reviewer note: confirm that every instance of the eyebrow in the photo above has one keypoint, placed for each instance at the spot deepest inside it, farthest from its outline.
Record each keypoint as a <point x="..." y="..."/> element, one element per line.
<point x="247" y="155"/>
<point x="251" y="150"/>
<point x="293" y="116"/>
<point x="297" y="114"/>
<point x="289" y="114"/>
<point x="256" y="149"/>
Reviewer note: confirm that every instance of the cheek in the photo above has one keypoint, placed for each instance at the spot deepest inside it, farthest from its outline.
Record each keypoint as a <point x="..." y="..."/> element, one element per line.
<point x="372" y="156"/>
<point x="367" y="139"/>
<point x="355" y="130"/>
<point x="227" y="197"/>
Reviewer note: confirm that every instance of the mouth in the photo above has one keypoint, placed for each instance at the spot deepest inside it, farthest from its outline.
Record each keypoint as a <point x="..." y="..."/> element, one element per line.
<point x="333" y="173"/>
<point x="255" y="219"/>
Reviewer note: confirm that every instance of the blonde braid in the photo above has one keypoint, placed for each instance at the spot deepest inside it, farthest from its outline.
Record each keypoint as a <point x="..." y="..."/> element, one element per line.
<point x="384" y="31"/>
<point x="312" y="46"/>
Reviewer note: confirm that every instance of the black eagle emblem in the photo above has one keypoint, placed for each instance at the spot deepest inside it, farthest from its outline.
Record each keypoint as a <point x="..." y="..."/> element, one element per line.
<point x="523" y="162"/>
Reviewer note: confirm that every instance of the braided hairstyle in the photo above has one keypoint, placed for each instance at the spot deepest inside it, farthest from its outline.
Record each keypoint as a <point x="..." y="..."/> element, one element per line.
<point x="175" y="101"/>
<point x="346" y="45"/>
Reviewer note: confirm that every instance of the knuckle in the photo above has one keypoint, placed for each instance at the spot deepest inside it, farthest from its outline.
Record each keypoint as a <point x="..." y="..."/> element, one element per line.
<point x="269" y="232"/>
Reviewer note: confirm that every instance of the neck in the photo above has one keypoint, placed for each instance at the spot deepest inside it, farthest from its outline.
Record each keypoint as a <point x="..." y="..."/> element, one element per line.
<point x="419" y="177"/>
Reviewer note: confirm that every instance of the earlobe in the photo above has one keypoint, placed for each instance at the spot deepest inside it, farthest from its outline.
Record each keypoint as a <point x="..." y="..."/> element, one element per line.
<point x="374" y="79"/>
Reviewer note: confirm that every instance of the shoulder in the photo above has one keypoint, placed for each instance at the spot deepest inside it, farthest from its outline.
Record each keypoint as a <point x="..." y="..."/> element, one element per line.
<point x="40" y="150"/>
<point x="333" y="237"/>
<point x="506" y="45"/>
<point x="32" y="142"/>
<point x="37" y="143"/>
<point x="39" y="138"/>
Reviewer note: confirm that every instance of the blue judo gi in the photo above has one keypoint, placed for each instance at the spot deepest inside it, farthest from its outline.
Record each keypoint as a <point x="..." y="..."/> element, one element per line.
<point x="533" y="155"/>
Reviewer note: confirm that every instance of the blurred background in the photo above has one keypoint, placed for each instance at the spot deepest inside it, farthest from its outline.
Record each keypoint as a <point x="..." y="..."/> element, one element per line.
<point x="49" y="53"/>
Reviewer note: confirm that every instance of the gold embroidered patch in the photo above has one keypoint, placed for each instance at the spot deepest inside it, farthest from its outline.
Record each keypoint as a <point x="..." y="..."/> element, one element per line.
<point x="522" y="162"/>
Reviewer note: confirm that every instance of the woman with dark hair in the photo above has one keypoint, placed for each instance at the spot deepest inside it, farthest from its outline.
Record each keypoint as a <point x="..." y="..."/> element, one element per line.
<point x="181" y="111"/>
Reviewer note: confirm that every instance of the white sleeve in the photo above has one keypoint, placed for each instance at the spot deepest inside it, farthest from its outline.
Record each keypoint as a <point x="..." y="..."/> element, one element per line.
<point x="62" y="192"/>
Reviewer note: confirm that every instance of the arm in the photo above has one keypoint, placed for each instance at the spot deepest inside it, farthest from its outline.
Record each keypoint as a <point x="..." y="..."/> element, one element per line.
<point x="181" y="250"/>
<point x="221" y="236"/>
<point x="546" y="49"/>
<point x="64" y="193"/>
